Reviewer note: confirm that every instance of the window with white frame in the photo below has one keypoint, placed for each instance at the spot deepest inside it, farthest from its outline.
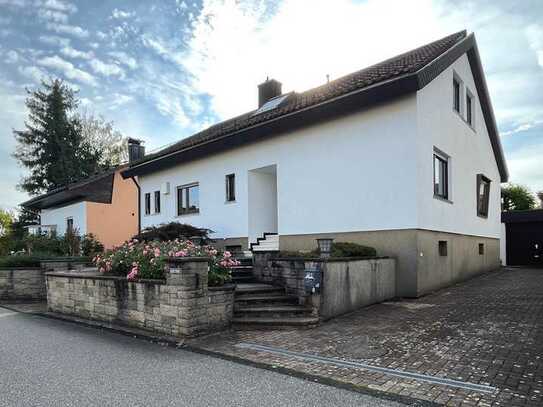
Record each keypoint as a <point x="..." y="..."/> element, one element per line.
<point x="457" y="94"/>
<point x="441" y="175"/>
<point x="157" y="201"/>
<point x="188" y="199"/>
<point x="148" y="203"/>
<point x="469" y="108"/>
<point x="483" y="195"/>
<point x="230" y="181"/>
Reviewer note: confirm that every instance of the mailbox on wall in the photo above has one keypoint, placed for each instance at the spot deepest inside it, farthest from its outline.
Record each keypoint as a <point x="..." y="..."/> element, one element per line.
<point x="312" y="279"/>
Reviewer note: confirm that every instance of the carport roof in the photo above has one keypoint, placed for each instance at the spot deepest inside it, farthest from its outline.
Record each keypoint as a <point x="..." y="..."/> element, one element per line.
<point x="534" y="215"/>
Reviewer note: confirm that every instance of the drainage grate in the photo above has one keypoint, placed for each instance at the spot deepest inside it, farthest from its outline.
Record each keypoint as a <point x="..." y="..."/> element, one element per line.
<point x="392" y="372"/>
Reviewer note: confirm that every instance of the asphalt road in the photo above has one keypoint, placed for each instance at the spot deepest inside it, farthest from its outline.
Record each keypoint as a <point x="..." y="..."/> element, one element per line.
<point x="46" y="362"/>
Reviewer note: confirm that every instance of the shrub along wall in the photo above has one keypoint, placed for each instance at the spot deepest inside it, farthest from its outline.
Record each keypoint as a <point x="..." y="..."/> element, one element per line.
<point x="181" y="305"/>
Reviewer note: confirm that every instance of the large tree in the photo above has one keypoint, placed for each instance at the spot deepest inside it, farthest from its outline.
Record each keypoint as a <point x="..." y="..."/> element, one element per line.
<point x="517" y="198"/>
<point x="52" y="146"/>
<point x="107" y="143"/>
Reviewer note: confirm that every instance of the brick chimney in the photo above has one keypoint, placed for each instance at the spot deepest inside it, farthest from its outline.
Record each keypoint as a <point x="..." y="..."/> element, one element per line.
<point x="268" y="90"/>
<point x="135" y="149"/>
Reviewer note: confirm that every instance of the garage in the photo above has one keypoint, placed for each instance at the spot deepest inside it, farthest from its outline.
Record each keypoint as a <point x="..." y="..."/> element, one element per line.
<point x="524" y="237"/>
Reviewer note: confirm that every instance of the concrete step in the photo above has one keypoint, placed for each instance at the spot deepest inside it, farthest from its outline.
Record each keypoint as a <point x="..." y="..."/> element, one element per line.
<point x="243" y="279"/>
<point x="270" y="311"/>
<point x="265" y="298"/>
<point x="266" y="323"/>
<point x="253" y="288"/>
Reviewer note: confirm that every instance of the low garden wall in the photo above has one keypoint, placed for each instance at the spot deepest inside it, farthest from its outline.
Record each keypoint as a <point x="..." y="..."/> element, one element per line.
<point x="181" y="305"/>
<point x="345" y="284"/>
<point x="348" y="285"/>
<point x="22" y="284"/>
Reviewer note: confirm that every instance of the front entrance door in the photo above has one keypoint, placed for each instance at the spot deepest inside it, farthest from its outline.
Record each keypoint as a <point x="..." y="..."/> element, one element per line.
<point x="262" y="201"/>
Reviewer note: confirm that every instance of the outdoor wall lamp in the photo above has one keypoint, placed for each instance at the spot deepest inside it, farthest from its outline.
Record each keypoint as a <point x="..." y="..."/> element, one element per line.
<point x="325" y="246"/>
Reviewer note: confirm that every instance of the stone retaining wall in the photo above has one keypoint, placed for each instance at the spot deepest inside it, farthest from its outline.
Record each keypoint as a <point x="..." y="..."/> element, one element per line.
<point x="22" y="284"/>
<point x="346" y="284"/>
<point x="182" y="305"/>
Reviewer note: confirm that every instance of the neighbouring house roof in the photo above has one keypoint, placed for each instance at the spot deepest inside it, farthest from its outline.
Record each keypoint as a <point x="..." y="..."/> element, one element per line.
<point x="97" y="188"/>
<point x="533" y="215"/>
<point x="397" y="76"/>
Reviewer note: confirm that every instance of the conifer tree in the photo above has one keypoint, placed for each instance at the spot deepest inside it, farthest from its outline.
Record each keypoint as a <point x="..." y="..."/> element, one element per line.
<point x="51" y="146"/>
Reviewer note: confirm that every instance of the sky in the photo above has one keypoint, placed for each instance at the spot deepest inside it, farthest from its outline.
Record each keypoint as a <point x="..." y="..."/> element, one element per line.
<point x="163" y="70"/>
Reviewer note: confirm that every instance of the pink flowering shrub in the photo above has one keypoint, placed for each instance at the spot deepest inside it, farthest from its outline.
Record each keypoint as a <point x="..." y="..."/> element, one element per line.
<point x="137" y="260"/>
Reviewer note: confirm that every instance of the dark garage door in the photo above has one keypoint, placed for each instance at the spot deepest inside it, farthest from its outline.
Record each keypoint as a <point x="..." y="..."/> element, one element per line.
<point x="524" y="243"/>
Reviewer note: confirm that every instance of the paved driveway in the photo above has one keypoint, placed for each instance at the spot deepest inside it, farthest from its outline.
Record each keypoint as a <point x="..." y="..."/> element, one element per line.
<point x="45" y="362"/>
<point x="487" y="331"/>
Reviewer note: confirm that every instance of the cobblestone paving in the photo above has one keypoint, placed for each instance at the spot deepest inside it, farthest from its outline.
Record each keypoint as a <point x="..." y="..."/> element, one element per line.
<point x="488" y="330"/>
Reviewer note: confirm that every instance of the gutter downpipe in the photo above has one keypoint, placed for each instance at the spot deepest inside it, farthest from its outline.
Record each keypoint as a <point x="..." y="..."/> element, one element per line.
<point x="139" y="202"/>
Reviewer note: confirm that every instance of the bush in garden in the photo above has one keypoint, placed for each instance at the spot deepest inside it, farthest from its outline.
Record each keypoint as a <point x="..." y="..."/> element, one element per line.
<point x="146" y="260"/>
<point x="173" y="230"/>
<point x="91" y="246"/>
<point x="347" y="249"/>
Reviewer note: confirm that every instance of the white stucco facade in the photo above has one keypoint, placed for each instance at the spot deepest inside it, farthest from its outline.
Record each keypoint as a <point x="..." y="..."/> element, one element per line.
<point x="470" y="151"/>
<point x="368" y="171"/>
<point x="59" y="217"/>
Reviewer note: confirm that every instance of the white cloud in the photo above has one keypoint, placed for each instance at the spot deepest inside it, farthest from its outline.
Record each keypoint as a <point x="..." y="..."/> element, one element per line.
<point x="74" y="53"/>
<point x="54" y="40"/>
<point x="52" y="15"/>
<point x="525" y="166"/>
<point x="236" y="45"/>
<point x="522" y="128"/>
<point x="33" y="72"/>
<point x="74" y="30"/>
<point x="12" y="57"/>
<point x="118" y="99"/>
<point x="68" y="69"/>
<point x="125" y="59"/>
<point x="120" y="14"/>
<point x="534" y="33"/>
<point x="105" y="69"/>
<point x="60" y="6"/>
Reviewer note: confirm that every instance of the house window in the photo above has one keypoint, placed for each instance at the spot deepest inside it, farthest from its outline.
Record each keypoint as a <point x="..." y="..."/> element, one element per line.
<point x="441" y="176"/>
<point x="230" y="187"/>
<point x="481" y="248"/>
<point x="70" y="224"/>
<point x="469" y="108"/>
<point x="157" y="201"/>
<point x="483" y="195"/>
<point x="442" y="247"/>
<point x="188" y="199"/>
<point x="147" y="203"/>
<point x="456" y="95"/>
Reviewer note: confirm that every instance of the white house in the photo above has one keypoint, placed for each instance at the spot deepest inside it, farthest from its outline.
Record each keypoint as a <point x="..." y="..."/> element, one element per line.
<point x="404" y="156"/>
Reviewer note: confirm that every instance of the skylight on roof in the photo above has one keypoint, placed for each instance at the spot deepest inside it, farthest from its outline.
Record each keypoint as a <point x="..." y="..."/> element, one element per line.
<point x="271" y="104"/>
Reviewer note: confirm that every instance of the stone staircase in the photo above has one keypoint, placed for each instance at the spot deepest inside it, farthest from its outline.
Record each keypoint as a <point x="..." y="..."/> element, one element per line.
<point x="269" y="242"/>
<point x="264" y="306"/>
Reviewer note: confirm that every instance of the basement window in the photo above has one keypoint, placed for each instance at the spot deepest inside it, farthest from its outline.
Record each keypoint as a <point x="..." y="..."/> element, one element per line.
<point x="442" y="247"/>
<point x="148" y="203"/>
<point x="481" y="248"/>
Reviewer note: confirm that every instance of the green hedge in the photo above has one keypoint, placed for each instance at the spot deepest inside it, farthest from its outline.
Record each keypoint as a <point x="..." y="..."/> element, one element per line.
<point x="339" y="249"/>
<point x="34" y="261"/>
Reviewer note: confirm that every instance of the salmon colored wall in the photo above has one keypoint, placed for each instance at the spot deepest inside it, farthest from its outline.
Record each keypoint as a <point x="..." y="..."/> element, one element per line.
<point x="114" y="223"/>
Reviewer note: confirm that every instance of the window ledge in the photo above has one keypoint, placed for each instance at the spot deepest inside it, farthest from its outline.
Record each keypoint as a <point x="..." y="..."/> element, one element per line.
<point x="439" y="198"/>
<point x="230" y="202"/>
<point x="188" y="214"/>
<point x="482" y="216"/>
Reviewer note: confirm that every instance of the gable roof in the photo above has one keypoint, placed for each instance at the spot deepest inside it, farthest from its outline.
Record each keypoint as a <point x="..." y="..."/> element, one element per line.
<point x="97" y="188"/>
<point x="400" y="75"/>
